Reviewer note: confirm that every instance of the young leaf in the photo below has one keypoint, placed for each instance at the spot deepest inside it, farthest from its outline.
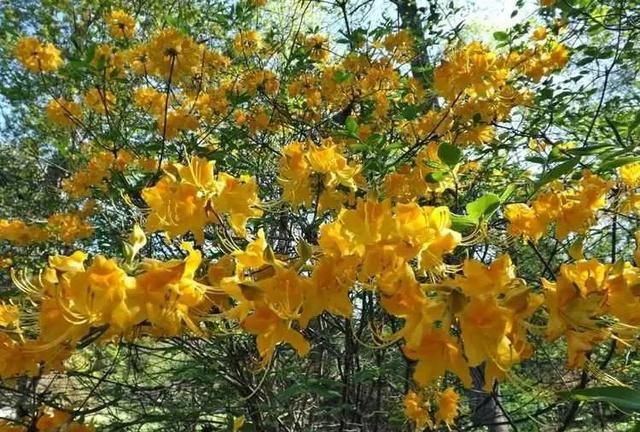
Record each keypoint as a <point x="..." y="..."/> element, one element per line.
<point x="351" y="125"/>
<point x="462" y="223"/>
<point x="623" y="398"/>
<point x="500" y="36"/>
<point x="483" y="207"/>
<point x="617" y="162"/>
<point x="449" y="154"/>
<point x="557" y="172"/>
<point x="435" y="177"/>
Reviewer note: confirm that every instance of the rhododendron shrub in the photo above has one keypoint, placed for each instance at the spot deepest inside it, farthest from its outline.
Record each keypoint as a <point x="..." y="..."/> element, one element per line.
<point x="247" y="220"/>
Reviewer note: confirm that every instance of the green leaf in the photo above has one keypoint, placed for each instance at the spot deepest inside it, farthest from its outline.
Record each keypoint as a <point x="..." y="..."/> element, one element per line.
<point x="91" y="51"/>
<point x="623" y="398"/>
<point x="341" y="76"/>
<point x="449" y="154"/>
<point x="351" y="125"/>
<point x="410" y="112"/>
<point x="483" y="207"/>
<point x="546" y="93"/>
<point x="359" y="147"/>
<point x="557" y="172"/>
<point x="507" y="192"/>
<point x="617" y="162"/>
<point x="535" y="159"/>
<point x="500" y="36"/>
<point x="589" y="150"/>
<point x="585" y="61"/>
<point x="462" y="223"/>
<point x="435" y="177"/>
<point x="375" y="140"/>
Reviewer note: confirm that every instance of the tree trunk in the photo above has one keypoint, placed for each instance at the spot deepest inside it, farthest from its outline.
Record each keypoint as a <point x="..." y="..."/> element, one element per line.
<point x="411" y="20"/>
<point x="485" y="407"/>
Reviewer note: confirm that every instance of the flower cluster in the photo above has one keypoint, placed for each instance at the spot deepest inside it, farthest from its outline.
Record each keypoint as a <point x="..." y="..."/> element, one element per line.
<point x="589" y="302"/>
<point x="21" y="233"/>
<point x="417" y="408"/>
<point x="99" y="168"/>
<point x="75" y="301"/>
<point x="188" y="197"/>
<point x="37" y="56"/>
<point x="322" y="172"/>
<point x="65" y="227"/>
<point x="121" y="24"/>
<point x="572" y="210"/>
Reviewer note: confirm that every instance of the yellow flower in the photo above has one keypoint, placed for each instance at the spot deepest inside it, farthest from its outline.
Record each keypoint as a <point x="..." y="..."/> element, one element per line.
<point x="64" y="113"/>
<point x="150" y="99"/>
<point x="18" y="232"/>
<point x="78" y="185"/>
<point x="540" y="33"/>
<point x="399" y="44"/>
<point x="630" y="175"/>
<point x="37" y="56"/>
<point x="52" y="419"/>
<point x="580" y="205"/>
<point x="558" y="56"/>
<point x="137" y="240"/>
<point x="5" y="262"/>
<point x="179" y="119"/>
<point x="138" y="59"/>
<point x="108" y="58"/>
<point x="575" y="302"/>
<point x="121" y="24"/>
<point x="471" y="69"/>
<point x="485" y="324"/>
<point x="491" y="279"/>
<point x="272" y="330"/>
<point x="193" y="198"/>
<point x="176" y="208"/>
<point x="238" y="198"/>
<point x="253" y="255"/>
<point x="447" y="406"/>
<point x="622" y="295"/>
<point x="478" y="135"/>
<point x="417" y="409"/>
<point x="247" y="43"/>
<point x="328" y="160"/>
<point x="295" y="175"/>
<point x="171" y="53"/>
<point x="259" y="121"/>
<point x="437" y="352"/>
<point x="328" y="290"/>
<point x="100" y="100"/>
<point x="99" y="293"/>
<point x="71" y="263"/>
<point x="68" y="227"/>
<point x="167" y="294"/>
<point x="9" y="315"/>
<point x="525" y="221"/>
<point x="317" y="47"/>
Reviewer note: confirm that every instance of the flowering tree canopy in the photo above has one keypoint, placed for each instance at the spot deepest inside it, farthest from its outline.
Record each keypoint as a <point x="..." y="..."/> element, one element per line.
<point x="300" y="215"/>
